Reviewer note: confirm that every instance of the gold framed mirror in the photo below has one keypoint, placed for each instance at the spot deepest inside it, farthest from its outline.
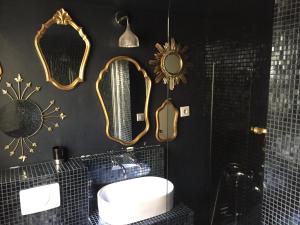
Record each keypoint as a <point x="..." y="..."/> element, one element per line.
<point x="1" y="72"/>
<point x="123" y="88"/>
<point x="21" y="118"/>
<point x="170" y="64"/>
<point x="166" y="122"/>
<point x="63" y="49"/>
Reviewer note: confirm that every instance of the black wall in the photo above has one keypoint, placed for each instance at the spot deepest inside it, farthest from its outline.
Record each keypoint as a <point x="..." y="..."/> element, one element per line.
<point x="83" y="130"/>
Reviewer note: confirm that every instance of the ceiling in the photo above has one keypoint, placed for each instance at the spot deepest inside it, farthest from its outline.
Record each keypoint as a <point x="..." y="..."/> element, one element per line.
<point x="201" y="6"/>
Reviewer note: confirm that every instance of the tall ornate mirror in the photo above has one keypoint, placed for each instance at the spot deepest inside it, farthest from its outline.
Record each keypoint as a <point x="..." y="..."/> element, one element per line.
<point x="166" y="122"/>
<point x="63" y="49"/>
<point x="123" y="88"/>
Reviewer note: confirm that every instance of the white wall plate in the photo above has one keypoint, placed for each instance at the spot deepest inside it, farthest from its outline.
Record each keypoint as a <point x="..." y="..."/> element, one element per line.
<point x="39" y="198"/>
<point x="184" y="111"/>
<point x="140" y="117"/>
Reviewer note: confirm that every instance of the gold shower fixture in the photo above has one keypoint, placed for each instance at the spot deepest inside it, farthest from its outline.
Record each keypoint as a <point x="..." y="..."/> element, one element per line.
<point x="258" y="130"/>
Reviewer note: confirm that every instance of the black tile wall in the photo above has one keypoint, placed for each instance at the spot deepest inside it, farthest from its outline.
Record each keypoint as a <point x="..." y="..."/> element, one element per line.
<point x="239" y="66"/>
<point x="79" y="180"/>
<point x="281" y="197"/>
<point x="232" y="92"/>
<point x="73" y="189"/>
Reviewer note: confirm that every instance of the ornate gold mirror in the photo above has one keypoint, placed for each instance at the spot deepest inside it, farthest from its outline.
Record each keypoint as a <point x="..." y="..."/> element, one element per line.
<point x="166" y="122"/>
<point x="170" y="64"/>
<point x="123" y="88"/>
<point x="1" y="71"/>
<point x="63" y="49"/>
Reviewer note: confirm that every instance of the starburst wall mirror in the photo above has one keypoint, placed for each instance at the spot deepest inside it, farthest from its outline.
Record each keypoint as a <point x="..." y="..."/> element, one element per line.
<point x="170" y="63"/>
<point x="21" y="118"/>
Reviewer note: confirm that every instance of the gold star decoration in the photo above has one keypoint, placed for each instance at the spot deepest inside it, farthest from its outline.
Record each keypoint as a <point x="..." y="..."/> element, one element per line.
<point x="49" y="116"/>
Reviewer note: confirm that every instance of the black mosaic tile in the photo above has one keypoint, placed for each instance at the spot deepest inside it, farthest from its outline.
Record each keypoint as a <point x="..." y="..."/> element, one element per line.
<point x="180" y="215"/>
<point x="73" y="186"/>
<point x="236" y="64"/>
<point x="80" y="179"/>
<point x="281" y="197"/>
<point x="234" y="68"/>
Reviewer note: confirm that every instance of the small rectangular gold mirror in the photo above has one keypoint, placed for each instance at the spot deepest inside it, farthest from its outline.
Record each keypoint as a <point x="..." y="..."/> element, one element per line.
<point x="166" y="122"/>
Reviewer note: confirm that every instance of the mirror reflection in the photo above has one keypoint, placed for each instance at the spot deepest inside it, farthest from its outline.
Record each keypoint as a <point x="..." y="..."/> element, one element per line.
<point x="20" y="118"/>
<point x="173" y="63"/>
<point x="63" y="49"/>
<point x="123" y="89"/>
<point x="1" y="71"/>
<point x="166" y="122"/>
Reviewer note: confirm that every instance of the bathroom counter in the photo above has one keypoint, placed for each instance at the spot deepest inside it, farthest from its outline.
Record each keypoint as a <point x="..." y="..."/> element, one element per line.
<point x="179" y="215"/>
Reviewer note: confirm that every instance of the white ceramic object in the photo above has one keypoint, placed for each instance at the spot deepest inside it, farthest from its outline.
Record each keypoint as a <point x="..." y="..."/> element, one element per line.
<point x="133" y="200"/>
<point x="38" y="199"/>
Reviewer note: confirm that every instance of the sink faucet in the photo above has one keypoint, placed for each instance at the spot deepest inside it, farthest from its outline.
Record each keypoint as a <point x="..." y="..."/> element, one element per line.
<point x="116" y="162"/>
<point x="123" y="169"/>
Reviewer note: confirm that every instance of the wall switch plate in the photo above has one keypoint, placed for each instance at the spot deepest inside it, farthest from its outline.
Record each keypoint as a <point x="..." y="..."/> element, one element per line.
<point x="40" y="198"/>
<point x="184" y="111"/>
<point x="140" y="117"/>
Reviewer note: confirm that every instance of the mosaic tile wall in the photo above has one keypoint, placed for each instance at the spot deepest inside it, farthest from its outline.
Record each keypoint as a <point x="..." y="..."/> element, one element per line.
<point x="238" y="66"/>
<point x="232" y="93"/>
<point x="281" y="199"/>
<point x="79" y="180"/>
<point x="73" y="186"/>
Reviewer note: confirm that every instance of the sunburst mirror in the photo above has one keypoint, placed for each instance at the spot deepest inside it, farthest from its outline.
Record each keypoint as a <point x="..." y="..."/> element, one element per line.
<point x="63" y="49"/>
<point x="21" y="118"/>
<point x="170" y="63"/>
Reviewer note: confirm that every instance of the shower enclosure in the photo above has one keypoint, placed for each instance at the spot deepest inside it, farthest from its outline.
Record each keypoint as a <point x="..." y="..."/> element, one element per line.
<point x="231" y="57"/>
<point x="239" y="70"/>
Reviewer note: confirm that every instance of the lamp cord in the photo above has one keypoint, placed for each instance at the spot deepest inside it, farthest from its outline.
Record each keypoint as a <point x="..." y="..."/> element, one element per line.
<point x="168" y="21"/>
<point x="168" y="96"/>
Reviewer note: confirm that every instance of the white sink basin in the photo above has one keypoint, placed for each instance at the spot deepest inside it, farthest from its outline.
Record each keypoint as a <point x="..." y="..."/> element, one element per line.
<point x="133" y="200"/>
